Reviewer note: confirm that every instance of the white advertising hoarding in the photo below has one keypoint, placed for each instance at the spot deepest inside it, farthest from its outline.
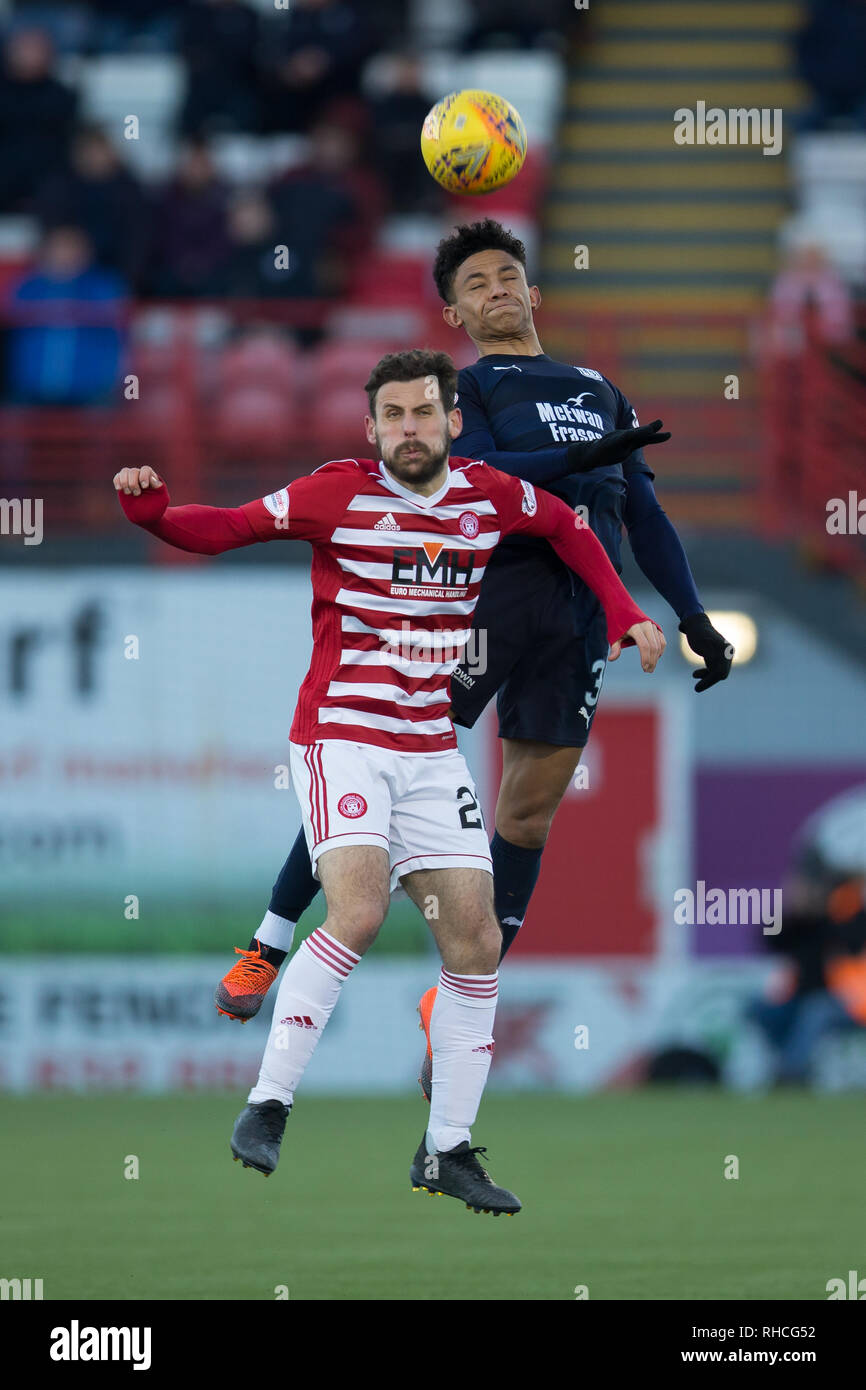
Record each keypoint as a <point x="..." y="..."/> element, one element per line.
<point x="149" y="1024"/>
<point x="142" y="716"/>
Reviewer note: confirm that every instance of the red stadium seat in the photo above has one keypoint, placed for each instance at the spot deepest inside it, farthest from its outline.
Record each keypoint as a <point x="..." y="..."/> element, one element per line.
<point x="335" y="420"/>
<point x="349" y="360"/>
<point x="256" y="413"/>
<point x="262" y="359"/>
<point x="256" y="396"/>
<point x="335" y="398"/>
<point x="387" y="278"/>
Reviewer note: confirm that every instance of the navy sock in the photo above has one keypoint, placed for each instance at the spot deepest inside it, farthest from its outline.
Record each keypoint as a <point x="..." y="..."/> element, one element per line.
<point x="515" y="874"/>
<point x="268" y="953"/>
<point x="295" y="887"/>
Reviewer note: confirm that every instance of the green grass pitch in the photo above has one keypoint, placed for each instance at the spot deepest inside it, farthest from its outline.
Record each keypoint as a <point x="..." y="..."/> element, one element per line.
<point x="623" y="1192"/>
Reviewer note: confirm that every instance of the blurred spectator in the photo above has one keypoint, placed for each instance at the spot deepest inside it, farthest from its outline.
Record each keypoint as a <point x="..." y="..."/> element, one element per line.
<point x="514" y="23"/>
<point x="823" y="988"/>
<point x="314" y="53"/>
<point x="37" y="115"/>
<point x="190" y="244"/>
<point x="822" y="985"/>
<point x="219" y="41"/>
<point x="328" y="210"/>
<point x="65" y="345"/>
<point x="831" y="58"/>
<point x="142" y="26"/>
<point x="807" y="281"/>
<point x="397" y="119"/>
<point x="100" y="195"/>
<point x="252" y="270"/>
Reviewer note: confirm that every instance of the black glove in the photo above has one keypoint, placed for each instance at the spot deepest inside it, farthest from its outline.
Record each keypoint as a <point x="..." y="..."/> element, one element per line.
<point x="716" y="651"/>
<point x="614" y="447"/>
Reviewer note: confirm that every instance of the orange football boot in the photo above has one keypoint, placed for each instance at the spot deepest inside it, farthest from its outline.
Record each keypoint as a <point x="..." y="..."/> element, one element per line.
<point x="425" y="1009"/>
<point x="241" y="992"/>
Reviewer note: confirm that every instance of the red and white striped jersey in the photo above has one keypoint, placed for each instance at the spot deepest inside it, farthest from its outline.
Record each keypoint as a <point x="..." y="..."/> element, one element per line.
<point x="396" y="577"/>
<point x="395" y="580"/>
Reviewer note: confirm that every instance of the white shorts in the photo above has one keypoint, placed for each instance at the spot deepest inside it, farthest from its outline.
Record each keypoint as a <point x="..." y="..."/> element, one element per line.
<point x="420" y="807"/>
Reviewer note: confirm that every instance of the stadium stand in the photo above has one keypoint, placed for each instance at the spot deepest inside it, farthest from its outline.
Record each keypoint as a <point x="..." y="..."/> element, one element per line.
<point x="698" y="266"/>
<point x="681" y="247"/>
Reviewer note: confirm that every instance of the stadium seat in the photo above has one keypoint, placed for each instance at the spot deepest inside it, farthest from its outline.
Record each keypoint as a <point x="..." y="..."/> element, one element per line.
<point x="410" y="234"/>
<point x="255" y="390"/>
<point x="259" y="413"/>
<point x="256" y="159"/>
<point x="148" y="86"/>
<point x="384" y="277"/>
<point x="264" y="358"/>
<point x="830" y="174"/>
<point x="335" y="416"/>
<point x="160" y="399"/>
<point x="440" y="25"/>
<point x="346" y="362"/>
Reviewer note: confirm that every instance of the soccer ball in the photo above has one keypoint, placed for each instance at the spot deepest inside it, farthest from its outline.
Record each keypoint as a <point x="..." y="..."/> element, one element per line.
<point x="473" y="142"/>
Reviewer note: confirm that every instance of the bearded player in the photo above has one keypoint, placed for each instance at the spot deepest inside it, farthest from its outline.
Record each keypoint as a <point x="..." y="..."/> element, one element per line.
<point x="386" y="798"/>
<point x="573" y="432"/>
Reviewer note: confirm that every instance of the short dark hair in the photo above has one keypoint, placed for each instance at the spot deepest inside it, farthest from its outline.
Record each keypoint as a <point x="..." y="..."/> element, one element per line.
<point x="467" y="241"/>
<point x="408" y="366"/>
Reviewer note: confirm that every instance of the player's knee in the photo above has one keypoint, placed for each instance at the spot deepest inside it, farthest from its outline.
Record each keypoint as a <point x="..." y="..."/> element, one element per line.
<point x="358" y="926"/>
<point x="483" y="944"/>
<point x="527" y="826"/>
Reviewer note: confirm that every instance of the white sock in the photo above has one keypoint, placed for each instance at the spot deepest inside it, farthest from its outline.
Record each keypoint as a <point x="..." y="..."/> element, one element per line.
<point x="276" y="931"/>
<point x="461" y="1038"/>
<point x="309" y="989"/>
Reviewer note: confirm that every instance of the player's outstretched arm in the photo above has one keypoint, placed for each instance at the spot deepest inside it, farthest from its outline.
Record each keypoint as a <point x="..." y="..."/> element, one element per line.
<point x="659" y="552"/>
<point x="523" y="510"/>
<point x="546" y="465"/>
<point x="203" y="530"/>
<point x="542" y="466"/>
<point x="614" y="447"/>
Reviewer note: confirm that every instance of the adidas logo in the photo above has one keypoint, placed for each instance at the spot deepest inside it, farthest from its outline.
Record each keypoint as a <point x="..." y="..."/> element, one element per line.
<point x="299" y="1022"/>
<point x="386" y="523"/>
<point x="488" y="1047"/>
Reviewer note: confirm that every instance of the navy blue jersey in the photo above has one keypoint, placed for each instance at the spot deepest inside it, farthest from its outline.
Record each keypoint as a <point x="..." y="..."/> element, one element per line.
<point x="521" y="413"/>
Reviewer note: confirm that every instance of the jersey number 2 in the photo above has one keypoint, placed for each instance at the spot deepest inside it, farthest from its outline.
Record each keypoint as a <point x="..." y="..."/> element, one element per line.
<point x="468" y="809"/>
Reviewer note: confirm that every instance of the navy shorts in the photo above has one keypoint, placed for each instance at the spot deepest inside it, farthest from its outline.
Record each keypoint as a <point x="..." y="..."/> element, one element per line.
<point x="540" y="646"/>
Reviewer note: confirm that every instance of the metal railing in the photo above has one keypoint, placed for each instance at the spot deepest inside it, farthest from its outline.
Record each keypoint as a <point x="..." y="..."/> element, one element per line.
<point x="814" y="474"/>
<point x="232" y="399"/>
